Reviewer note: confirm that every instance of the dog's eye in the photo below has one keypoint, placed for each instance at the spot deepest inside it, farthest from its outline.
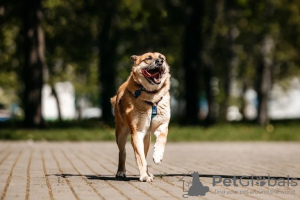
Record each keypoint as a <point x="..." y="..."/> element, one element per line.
<point x="162" y="57"/>
<point x="149" y="58"/>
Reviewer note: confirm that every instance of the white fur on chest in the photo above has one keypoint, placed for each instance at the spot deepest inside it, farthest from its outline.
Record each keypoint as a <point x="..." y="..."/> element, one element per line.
<point x="144" y="121"/>
<point x="163" y="113"/>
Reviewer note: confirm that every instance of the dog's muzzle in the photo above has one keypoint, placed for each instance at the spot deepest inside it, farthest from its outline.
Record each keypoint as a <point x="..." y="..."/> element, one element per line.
<point x="154" y="74"/>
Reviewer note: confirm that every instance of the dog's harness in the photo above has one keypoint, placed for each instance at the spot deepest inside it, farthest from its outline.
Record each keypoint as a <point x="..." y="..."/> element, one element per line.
<point x="138" y="92"/>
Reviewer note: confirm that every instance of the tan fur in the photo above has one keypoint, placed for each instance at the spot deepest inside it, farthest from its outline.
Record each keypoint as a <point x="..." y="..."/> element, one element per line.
<point x="133" y="115"/>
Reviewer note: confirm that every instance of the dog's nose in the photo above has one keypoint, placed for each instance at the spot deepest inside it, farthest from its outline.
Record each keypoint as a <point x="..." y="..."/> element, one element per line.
<point x="159" y="61"/>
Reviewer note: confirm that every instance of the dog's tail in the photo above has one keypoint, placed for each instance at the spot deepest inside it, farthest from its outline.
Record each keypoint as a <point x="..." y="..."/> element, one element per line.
<point x="113" y="103"/>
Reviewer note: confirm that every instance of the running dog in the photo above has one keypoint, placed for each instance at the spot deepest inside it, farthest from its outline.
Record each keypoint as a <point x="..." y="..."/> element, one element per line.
<point x="142" y="106"/>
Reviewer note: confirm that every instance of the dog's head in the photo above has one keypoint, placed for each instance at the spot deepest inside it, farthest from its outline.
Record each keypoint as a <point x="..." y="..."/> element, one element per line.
<point x="150" y="70"/>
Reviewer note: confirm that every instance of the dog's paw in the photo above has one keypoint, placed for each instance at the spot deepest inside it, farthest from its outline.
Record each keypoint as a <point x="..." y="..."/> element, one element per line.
<point x="121" y="175"/>
<point x="146" y="178"/>
<point x="158" y="156"/>
<point x="150" y="175"/>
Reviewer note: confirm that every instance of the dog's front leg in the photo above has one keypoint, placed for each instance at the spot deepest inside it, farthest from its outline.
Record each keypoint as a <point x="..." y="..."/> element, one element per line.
<point x="137" y="140"/>
<point x="161" y="139"/>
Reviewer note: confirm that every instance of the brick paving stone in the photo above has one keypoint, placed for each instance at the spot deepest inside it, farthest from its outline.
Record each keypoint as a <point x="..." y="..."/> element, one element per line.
<point x="18" y="181"/>
<point x="85" y="170"/>
<point x="38" y="189"/>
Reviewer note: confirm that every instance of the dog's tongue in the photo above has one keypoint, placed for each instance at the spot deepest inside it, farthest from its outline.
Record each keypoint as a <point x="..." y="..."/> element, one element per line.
<point x="147" y="74"/>
<point x="157" y="78"/>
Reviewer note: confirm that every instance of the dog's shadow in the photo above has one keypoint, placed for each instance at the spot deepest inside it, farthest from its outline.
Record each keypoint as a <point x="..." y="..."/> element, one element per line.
<point x="114" y="178"/>
<point x="135" y="178"/>
<point x="98" y="177"/>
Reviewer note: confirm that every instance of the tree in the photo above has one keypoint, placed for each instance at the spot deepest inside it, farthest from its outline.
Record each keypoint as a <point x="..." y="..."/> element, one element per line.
<point x="34" y="64"/>
<point x="71" y="50"/>
<point x="10" y="59"/>
<point x="191" y="52"/>
<point x="213" y="16"/>
<point x="91" y="41"/>
<point x="264" y="79"/>
<point x="107" y="39"/>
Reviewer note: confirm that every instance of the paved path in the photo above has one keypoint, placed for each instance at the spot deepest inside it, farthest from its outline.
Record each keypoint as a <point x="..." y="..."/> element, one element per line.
<point x="85" y="170"/>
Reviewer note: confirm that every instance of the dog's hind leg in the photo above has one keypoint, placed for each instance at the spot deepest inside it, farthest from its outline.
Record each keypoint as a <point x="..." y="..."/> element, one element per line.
<point x="121" y="139"/>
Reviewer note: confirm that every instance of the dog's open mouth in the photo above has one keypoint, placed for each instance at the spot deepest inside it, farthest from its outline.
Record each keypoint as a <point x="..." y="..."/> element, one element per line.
<point x="153" y="75"/>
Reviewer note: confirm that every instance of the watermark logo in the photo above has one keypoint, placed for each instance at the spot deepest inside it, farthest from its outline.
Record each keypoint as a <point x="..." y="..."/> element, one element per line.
<point x="255" y="180"/>
<point x="260" y="181"/>
<point x="194" y="187"/>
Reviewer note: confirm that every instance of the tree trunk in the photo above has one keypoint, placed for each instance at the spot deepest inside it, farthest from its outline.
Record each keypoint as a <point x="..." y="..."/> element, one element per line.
<point x="231" y="64"/>
<point x="216" y="11"/>
<point x="209" y="83"/>
<point x="264" y="79"/>
<point x="34" y="62"/>
<point x="54" y="93"/>
<point x="191" y="50"/>
<point x="107" y="57"/>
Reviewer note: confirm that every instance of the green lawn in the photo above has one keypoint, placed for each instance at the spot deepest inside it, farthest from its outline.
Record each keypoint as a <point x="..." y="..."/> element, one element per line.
<point x="226" y="132"/>
<point x="236" y="132"/>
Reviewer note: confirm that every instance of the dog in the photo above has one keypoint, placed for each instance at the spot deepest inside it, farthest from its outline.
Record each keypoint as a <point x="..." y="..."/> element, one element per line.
<point x="142" y="106"/>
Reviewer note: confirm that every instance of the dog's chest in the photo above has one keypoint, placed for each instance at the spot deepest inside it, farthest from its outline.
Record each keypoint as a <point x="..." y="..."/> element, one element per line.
<point x="163" y="113"/>
<point x="153" y="121"/>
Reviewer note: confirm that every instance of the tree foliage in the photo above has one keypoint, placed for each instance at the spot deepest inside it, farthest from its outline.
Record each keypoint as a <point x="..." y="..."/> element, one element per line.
<point x="210" y="45"/>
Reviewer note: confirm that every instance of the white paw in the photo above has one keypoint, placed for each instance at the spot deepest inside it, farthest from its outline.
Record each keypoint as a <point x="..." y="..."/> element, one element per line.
<point x="158" y="156"/>
<point x="121" y="174"/>
<point x="146" y="178"/>
<point x="150" y="175"/>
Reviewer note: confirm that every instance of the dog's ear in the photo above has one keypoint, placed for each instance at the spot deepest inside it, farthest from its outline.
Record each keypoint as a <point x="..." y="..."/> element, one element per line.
<point x="133" y="58"/>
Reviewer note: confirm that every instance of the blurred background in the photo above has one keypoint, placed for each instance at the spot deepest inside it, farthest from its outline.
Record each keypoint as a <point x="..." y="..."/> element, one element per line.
<point x="234" y="64"/>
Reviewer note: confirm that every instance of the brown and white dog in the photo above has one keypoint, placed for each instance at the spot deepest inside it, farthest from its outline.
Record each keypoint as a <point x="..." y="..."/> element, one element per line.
<point x="142" y="106"/>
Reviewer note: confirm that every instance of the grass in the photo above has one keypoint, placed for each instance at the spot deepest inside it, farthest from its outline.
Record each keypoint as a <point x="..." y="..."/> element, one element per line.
<point x="222" y="132"/>
<point x="69" y="134"/>
<point x="236" y="132"/>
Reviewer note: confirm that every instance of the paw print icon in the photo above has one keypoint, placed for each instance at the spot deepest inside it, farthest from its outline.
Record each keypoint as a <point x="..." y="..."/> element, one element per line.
<point x="260" y="181"/>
